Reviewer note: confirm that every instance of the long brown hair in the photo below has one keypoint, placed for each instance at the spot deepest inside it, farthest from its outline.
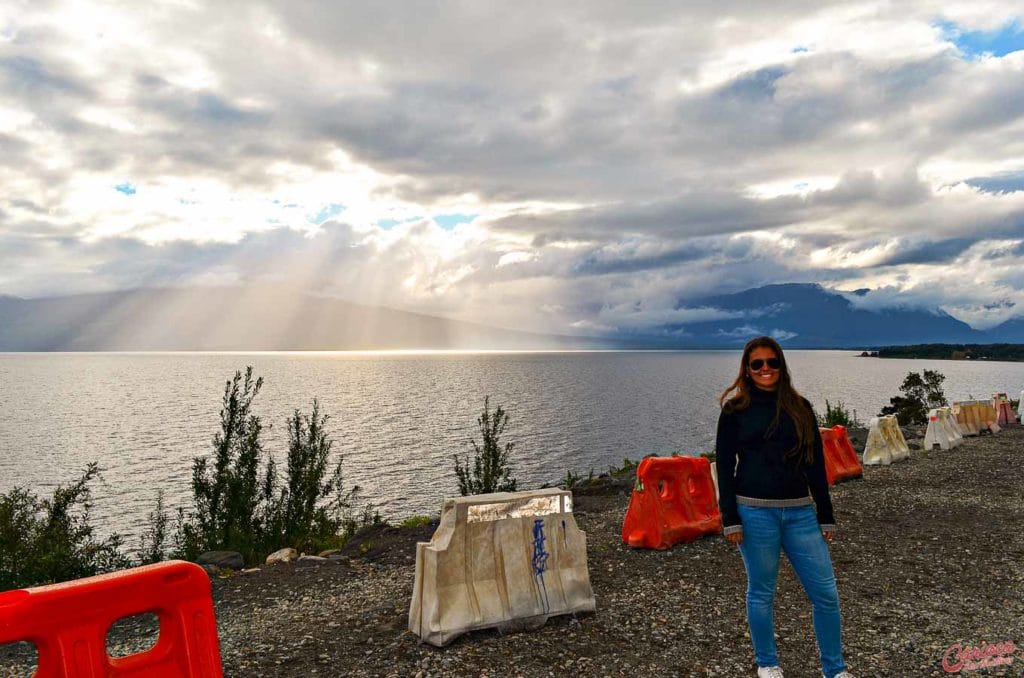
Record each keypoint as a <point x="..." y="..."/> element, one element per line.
<point x="737" y="397"/>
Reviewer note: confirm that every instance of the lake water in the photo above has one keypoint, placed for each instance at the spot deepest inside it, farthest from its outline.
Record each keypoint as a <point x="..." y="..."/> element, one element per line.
<point x="398" y="417"/>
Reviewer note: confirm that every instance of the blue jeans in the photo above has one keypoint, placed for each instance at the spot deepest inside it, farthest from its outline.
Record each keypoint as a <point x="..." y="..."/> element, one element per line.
<point x="794" y="529"/>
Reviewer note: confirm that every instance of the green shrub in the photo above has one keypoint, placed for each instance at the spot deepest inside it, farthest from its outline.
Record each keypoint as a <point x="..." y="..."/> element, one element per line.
<point x="628" y="467"/>
<point x="43" y="541"/>
<point x="311" y="507"/>
<point x="574" y="480"/>
<point x="152" y="545"/>
<point x="491" y="469"/>
<point x="710" y="456"/>
<point x="921" y="392"/>
<point x="838" y="415"/>
<point x="226" y="494"/>
<point x="239" y="502"/>
<point x="416" y="521"/>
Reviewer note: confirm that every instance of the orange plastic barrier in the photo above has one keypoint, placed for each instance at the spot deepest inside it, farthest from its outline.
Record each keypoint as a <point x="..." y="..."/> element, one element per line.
<point x="673" y="501"/>
<point x="841" y="460"/>
<point x="68" y="623"/>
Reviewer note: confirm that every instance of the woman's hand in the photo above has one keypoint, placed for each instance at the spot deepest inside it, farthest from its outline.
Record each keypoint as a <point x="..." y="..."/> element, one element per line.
<point x="828" y="534"/>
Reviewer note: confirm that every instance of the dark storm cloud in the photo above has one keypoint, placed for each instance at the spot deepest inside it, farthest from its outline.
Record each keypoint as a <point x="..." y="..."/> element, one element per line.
<point x="930" y="252"/>
<point x="867" y="188"/>
<point x="702" y="213"/>
<point x="596" y="264"/>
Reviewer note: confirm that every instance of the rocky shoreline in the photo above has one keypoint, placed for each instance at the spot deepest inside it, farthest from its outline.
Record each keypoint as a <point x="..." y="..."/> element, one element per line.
<point x="928" y="553"/>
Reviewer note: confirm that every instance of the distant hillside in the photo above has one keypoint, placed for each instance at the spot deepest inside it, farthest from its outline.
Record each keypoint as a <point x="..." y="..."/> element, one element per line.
<point x="232" y="319"/>
<point x="807" y="316"/>
<point x="1005" y="352"/>
<point x="1010" y="331"/>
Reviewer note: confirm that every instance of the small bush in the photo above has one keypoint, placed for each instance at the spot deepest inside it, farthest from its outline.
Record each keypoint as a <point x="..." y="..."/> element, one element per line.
<point x="240" y="503"/>
<point x="921" y="392"/>
<point x="152" y="545"/>
<point x="628" y="467"/>
<point x="491" y="469"/>
<point x="311" y="507"/>
<point x="710" y="456"/>
<point x="574" y="480"/>
<point x="44" y="541"/>
<point x="838" y="415"/>
<point x="226" y="493"/>
<point x="416" y="521"/>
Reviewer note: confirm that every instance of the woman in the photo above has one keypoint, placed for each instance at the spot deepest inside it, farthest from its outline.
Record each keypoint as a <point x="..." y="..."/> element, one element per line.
<point x="772" y="432"/>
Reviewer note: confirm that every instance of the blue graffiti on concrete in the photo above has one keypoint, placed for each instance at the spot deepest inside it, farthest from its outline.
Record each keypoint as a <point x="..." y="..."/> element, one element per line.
<point x="540" y="561"/>
<point x="540" y="556"/>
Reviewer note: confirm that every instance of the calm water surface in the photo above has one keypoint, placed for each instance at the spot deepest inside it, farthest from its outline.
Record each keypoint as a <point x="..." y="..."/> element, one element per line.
<point x="397" y="418"/>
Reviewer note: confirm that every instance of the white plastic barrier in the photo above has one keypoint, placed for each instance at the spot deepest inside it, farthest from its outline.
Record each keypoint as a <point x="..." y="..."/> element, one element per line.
<point x="885" y="443"/>
<point x="504" y="559"/>
<point x="941" y="431"/>
<point x="951" y="424"/>
<point x="1020" y="408"/>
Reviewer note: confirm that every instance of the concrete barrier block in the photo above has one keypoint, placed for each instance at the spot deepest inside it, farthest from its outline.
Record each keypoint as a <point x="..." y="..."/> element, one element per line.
<point x="894" y="434"/>
<point x="876" y="451"/>
<point x="503" y="559"/>
<point x="980" y="414"/>
<point x="885" y="443"/>
<point x="976" y="416"/>
<point x="941" y="431"/>
<point x="949" y="421"/>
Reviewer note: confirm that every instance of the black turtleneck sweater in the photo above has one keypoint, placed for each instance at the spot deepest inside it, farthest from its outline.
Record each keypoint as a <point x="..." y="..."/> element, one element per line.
<point x="763" y="476"/>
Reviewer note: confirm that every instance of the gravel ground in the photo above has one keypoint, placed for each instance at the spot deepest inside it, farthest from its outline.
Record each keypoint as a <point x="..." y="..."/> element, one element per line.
<point x="928" y="553"/>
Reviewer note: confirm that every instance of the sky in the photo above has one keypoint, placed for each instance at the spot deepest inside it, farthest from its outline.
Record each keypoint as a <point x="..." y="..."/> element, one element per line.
<point x="577" y="167"/>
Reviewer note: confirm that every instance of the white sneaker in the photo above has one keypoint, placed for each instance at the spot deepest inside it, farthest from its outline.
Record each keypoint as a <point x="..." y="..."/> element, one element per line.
<point x="843" y="674"/>
<point x="769" y="672"/>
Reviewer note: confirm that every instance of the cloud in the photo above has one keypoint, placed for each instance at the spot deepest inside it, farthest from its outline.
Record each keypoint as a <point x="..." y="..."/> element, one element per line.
<point x="549" y="168"/>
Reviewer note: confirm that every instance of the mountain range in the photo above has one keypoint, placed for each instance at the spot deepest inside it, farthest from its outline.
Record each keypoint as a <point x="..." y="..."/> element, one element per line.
<point x="806" y="315"/>
<point x="800" y="315"/>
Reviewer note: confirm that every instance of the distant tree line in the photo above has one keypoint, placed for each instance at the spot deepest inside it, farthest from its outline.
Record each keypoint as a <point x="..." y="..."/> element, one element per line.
<point x="1004" y="352"/>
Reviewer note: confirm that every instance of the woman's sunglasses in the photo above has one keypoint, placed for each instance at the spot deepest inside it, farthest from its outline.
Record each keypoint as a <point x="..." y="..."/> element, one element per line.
<point x="773" y="364"/>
